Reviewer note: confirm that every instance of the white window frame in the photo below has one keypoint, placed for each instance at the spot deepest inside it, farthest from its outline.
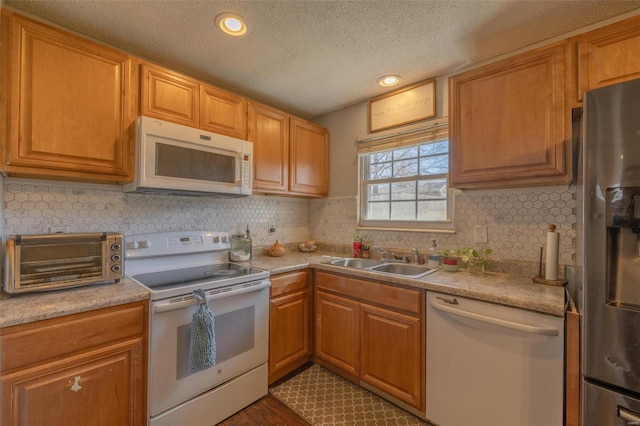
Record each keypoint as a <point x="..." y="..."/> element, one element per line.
<point x="435" y="133"/>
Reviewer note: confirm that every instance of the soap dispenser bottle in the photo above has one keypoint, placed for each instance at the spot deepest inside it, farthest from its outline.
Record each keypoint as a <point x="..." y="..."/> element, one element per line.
<point x="433" y="257"/>
<point x="248" y="237"/>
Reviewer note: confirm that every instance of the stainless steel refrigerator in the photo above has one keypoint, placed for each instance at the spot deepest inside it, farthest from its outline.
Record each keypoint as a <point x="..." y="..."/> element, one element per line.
<point x="609" y="248"/>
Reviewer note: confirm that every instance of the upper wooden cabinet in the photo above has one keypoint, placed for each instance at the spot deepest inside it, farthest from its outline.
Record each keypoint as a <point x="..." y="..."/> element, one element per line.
<point x="308" y="158"/>
<point x="608" y="55"/>
<point x="223" y="112"/>
<point x="509" y="122"/>
<point x="291" y="155"/>
<point x="68" y="105"/>
<point x="171" y="96"/>
<point x="269" y="132"/>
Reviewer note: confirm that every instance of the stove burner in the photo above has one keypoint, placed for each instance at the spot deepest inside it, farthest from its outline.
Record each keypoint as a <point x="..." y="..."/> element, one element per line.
<point x="197" y="275"/>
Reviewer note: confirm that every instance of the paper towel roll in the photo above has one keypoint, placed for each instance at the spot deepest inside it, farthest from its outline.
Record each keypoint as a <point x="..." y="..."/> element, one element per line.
<point x="553" y="244"/>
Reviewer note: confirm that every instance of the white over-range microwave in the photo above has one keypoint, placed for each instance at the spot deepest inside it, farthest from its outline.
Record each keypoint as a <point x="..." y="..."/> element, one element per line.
<point x="176" y="159"/>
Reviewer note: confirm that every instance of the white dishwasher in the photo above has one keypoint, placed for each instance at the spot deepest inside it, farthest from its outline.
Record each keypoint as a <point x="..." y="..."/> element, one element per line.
<point x="491" y="365"/>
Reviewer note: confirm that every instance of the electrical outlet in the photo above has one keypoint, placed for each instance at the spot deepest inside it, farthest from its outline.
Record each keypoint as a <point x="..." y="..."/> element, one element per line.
<point x="272" y="229"/>
<point x="480" y="234"/>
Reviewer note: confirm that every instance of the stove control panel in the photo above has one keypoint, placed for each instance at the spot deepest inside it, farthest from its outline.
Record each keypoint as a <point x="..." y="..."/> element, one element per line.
<point x="185" y="241"/>
<point x="176" y="242"/>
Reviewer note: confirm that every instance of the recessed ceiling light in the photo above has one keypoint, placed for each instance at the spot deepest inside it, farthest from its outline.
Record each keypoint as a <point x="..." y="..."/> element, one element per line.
<point x="231" y="24"/>
<point x="389" y="80"/>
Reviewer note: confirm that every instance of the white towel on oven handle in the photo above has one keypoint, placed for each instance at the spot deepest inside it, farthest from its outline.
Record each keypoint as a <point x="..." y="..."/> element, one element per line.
<point x="202" y="343"/>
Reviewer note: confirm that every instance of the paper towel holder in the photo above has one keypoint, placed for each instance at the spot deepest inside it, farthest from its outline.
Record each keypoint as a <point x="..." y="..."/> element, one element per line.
<point x="540" y="279"/>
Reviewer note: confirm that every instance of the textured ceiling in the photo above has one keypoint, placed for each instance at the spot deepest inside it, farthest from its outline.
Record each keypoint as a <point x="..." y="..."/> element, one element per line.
<point x="314" y="57"/>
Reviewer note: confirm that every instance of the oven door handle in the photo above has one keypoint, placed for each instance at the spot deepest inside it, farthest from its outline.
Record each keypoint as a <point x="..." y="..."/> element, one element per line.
<point x="185" y="301"/>
<point x="628" y="416"/>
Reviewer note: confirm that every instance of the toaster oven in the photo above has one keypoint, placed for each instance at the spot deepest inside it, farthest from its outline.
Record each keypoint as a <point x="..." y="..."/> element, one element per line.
<point x="54" y="261"/>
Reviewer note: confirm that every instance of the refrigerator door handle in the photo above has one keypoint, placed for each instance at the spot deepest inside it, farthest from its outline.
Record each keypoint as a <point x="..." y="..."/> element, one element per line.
<point x="545" y="331"/>
<point x="628" y="416"/>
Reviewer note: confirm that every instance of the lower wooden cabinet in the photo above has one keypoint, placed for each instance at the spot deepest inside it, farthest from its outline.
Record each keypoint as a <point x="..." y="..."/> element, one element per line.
<point x="289" y="323"/>
<point x="572" y="365"/>
<point x="373" y="334"/>
<point x="338" y="332"/>
<point x="391" y="353"/>
<point x="81" y="369"/>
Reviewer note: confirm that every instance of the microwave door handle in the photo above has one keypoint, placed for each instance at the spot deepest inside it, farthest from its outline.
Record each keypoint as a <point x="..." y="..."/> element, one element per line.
<point x="244" y="168"/>
<point x="239" y="168"/>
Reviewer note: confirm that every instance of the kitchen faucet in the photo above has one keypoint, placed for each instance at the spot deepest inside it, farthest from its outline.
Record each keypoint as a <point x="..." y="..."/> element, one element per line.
<point x="415" y="256"/>
<point x="390" y="256"/>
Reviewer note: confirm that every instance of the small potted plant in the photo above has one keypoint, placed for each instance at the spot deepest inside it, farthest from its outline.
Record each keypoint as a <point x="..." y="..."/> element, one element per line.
<point x="450" y="260"/>
<point x="476" y="260"/>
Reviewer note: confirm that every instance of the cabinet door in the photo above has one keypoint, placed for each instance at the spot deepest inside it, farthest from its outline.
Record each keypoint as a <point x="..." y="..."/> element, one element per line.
<point x="609" y="55"/>
<point x="223" y="112"/>
<point x="68" y="104"/>
<point x="289" y="324"/>
<point x="102" y="387"/>
<point x="269" y="132"/>
<point x="391" y="354"/>
<point x="169" y="96"/>
<point x="309" y="161"/>
<point x="337" y="332"/>
<point x="509" y="122"/>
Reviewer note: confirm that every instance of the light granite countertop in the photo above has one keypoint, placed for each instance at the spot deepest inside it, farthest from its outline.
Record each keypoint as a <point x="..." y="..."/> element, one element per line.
<point x="31" y="307"/>
<point x="503" y="289"/>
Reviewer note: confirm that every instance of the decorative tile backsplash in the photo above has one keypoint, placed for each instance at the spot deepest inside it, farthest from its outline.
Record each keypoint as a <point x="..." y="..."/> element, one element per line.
<point x="33" y="206"/>
<point x="516" y="219"/>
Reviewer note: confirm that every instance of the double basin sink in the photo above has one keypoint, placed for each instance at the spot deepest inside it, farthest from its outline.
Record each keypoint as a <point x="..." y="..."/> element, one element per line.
<point x="399" y="269"/>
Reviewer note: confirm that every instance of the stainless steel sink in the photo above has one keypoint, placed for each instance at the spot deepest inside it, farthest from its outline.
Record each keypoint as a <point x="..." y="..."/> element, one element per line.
<point x="399" y="269"/>
<point x="357" y="263"/>
<point x="403" y="269"/>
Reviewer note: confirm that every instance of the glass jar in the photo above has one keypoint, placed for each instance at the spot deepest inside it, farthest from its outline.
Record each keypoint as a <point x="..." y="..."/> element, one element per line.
<point x="240" y="248"/>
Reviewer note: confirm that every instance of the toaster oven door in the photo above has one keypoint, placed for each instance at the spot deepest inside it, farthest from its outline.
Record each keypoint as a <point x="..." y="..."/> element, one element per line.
<point x="50" y="261"/>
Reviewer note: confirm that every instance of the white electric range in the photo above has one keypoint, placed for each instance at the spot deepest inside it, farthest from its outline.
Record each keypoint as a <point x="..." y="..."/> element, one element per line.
<point x="171" y="265"/>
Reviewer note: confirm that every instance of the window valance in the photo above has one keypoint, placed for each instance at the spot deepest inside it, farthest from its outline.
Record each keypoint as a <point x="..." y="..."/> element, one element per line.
<point x="434" y="132"/>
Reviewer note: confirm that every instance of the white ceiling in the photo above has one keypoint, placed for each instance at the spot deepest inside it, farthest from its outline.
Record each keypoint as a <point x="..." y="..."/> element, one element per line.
<point x="315" y="57"/>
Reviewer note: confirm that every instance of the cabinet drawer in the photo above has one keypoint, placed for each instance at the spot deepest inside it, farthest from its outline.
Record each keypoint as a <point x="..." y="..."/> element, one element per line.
<point x="36" y="342"/>
<point x="377" y="293"/>
<point x="286" y="283"/>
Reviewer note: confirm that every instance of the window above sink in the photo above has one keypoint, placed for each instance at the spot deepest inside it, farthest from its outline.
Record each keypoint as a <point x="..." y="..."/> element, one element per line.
<point x="404" y="180"/>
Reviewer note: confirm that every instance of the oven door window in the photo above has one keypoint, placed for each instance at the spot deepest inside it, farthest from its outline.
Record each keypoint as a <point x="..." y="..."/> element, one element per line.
<point x="229" y="343"/>
<point x="241" y="333"/>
